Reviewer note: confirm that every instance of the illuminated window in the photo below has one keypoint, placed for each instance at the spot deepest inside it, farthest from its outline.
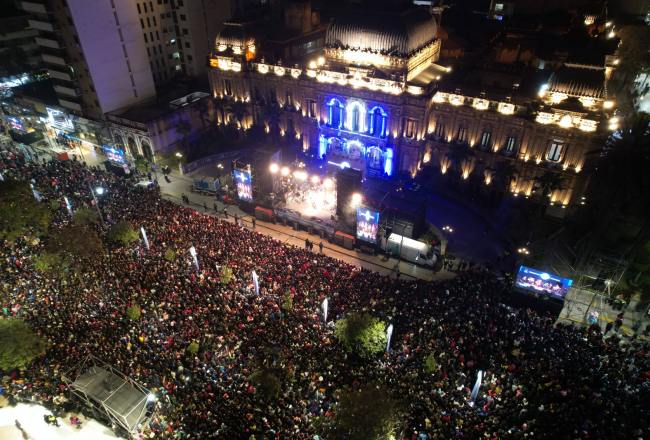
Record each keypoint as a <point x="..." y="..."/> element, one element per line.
<point x="486" y="137"/>
<point x="511" y="143"/>
<point x="498" y="7"/>
<point x="554" y="153"/>
<point x="461" y="136"/>
<point x="355" y="117"/>
<point x="311" y="108"/>
<point x="409" y="128"/>
<point x="377" y="122"/>
<point x="374" y="157"/>
<point x="335" y="113"/>
<point x="440" y="129"/>
<point x="227" y="87"/>
<point x="289" y="99"/>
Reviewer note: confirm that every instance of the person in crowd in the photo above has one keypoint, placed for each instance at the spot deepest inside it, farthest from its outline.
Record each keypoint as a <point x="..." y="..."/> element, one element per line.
<point x="541" y="380"/>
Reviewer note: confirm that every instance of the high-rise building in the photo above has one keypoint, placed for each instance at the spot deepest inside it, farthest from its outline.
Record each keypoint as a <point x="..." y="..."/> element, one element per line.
<point x="106" y="55"/>
<point x="94" y="53"/>
<point x="179" y="34"/>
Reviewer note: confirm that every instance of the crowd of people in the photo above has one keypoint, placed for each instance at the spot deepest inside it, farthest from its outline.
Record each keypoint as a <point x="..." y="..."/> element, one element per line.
<point x="541" y="380"/>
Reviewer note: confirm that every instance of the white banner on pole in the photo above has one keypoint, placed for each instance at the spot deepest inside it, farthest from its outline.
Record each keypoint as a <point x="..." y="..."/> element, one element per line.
<point x="389" y="335"/>
<point x="256" y="282"/>
<point x="325" y="306"/>
<point x="144" y="237"/>
<point x="196" y="260"/>
<point x="477" y="385"/>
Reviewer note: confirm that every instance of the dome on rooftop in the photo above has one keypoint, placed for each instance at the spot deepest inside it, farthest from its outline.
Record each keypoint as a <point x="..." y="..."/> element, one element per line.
<point x="233" y="35"/>
<point x="388" y="34"/>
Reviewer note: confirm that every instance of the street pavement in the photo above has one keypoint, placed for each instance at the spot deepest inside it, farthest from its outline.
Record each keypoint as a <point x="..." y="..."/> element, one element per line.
<point x="181" y="185"/>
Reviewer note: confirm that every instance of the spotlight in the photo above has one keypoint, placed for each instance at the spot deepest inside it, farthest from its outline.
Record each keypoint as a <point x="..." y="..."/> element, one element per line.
<point x="315" y="179"/>
<point x="274" y="168"/>
<point x="285" y="171"/>
<point x="99" y="190"/>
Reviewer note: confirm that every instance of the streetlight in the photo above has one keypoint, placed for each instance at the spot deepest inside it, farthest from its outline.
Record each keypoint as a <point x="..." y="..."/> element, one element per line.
<point x="285" y="171"/>
<point x="523" y="251"/>
<point x="100" y="191"/>
<point x="355" y="200"/>
<point x="274" y="168"/>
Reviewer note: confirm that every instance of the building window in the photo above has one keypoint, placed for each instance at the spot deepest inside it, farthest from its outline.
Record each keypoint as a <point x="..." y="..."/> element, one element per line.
<point x="511" y="143"/>
<point x="335" y="113"/>
<point x="139" y="11"/>
<point x="498" y="7"/>
<point x="227" y="86"/>
<point x="461" y="136"/>
<point x="440" y="129"/>
<point x="554" y="153"/>
<point x="377" y="123"/>
<point x="183" y="17"/>
<point x="409" y="128"/>
<point x="148" y="22"/>
<point x="485" y="138"/>
<point x="289" y="99"/>
<point x="311" y="108"/>
<point x="187" y="44"/>
<point x="355" y="118"/>
<point x="185" y="32"/>
<point x="142" y="23"/>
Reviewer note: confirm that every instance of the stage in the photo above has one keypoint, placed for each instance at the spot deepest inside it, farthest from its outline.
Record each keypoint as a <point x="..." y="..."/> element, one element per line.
<point x="313" y="197"/>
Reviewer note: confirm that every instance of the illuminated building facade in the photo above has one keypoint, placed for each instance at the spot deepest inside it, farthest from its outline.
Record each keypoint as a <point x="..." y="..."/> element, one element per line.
<point x="377" y="98"/>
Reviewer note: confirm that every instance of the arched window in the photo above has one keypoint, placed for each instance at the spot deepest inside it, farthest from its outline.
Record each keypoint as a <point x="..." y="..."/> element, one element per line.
<point x="354" y="112"/>
<point x="354" y="122"/>
<point x="374" y="158"/>
<point x="335" y="113"/>
<point x="377" y="122"/>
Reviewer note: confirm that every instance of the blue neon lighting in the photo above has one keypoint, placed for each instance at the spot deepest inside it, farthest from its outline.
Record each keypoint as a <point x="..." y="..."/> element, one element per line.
<point x="330" y="108"/>
<point x="322" y="146"/>
<point x="388" y="162"/>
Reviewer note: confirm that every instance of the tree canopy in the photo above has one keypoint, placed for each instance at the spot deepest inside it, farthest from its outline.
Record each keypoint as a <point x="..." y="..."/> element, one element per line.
<point x="85" y="216"/>
<point x="19" y="344"/>
<point x="267" y="384"/>
<point x="75" y="242"/>
<point x="123" y="234"/>
<point x="361" y="333"/>
<point x="368" y="413"/>
<point x="21" y="214"/>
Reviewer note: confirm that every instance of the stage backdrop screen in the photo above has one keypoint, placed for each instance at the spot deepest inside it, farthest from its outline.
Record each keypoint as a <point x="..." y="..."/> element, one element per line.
<point x="542" y="282"/>
<point x="367" y="225"/>
<point x="243" y="181"/>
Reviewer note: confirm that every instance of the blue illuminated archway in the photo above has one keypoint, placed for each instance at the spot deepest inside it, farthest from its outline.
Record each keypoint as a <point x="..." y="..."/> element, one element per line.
<point x="334" y="113"/>
<point x="377" y="119"/>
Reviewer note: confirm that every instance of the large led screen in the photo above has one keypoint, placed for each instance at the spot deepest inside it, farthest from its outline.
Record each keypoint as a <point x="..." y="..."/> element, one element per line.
<point x="542" y="282"/>
<point x="367" y="225"/>
<point x="243" y="184"/>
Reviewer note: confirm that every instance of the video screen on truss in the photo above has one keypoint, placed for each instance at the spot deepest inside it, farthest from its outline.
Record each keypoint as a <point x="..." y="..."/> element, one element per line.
<point x="367" y="225"/>
<point x="244" y="185"/>
<point x="541" y="282"/>
<point x="115" y="155"/>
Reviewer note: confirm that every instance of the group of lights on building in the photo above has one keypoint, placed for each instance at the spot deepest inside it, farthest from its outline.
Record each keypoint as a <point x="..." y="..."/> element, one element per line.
<point x="315" y="71"/>
<point x="354" y="117"/>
